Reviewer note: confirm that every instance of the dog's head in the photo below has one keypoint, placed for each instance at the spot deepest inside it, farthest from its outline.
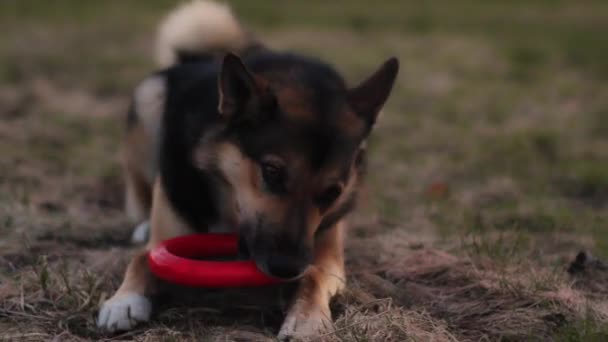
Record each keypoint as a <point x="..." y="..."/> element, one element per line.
<point x="292" y="154"/>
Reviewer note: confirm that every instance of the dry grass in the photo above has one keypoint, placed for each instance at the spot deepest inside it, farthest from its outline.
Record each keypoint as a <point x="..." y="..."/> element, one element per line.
<point x="409" y="293"/>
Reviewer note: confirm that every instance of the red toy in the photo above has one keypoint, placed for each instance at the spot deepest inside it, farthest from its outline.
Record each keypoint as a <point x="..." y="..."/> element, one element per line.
<point x="173" y="261"/>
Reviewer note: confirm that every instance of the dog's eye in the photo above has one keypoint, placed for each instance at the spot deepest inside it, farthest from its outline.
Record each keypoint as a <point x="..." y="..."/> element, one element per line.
<point x="274" y="177"/>
<point x="329" y="196"/>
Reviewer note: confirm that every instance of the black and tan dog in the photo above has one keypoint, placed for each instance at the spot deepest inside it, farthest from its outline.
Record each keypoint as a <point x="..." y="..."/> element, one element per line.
<point x="270" y="144"/>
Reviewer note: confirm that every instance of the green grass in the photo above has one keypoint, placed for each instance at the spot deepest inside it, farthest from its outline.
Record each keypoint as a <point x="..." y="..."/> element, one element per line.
<point x="587" y="329"/>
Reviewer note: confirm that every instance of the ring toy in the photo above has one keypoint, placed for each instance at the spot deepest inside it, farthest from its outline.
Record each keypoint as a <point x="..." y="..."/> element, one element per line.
<point x="174" y="260"/>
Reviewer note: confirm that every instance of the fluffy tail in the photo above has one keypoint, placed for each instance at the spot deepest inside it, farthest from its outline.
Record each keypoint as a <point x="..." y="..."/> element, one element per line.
<point x="200" y="28"/>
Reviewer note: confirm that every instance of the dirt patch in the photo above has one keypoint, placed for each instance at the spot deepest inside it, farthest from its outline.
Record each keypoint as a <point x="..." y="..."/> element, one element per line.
<point x="407" y="291"/>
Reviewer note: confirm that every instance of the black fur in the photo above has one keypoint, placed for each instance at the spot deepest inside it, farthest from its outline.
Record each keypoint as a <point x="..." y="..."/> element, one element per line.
<point x="191" y="111"/>
<point x="320" y="140"/>
<point x="327" y="86"/>
<point x="184" y="57"/>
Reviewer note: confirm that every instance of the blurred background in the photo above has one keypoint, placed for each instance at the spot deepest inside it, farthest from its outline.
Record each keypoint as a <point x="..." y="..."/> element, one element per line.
<point x="491" y="155"/>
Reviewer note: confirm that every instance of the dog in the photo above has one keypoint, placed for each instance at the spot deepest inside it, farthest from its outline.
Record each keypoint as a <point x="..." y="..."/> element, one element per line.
<point x="231" y="136"/>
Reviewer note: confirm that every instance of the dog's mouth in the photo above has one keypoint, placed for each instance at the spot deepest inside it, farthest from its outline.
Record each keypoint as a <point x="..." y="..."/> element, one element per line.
<point x="246" y="252"/>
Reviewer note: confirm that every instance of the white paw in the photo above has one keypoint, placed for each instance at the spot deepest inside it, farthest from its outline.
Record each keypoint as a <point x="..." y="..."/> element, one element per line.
<point x="302" y="324"/>
<point x="124" y="312"/>
<point x="141" y="233"/>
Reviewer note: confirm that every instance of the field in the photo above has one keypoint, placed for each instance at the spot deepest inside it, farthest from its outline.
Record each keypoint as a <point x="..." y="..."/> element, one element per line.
<point x="488" y="170"/>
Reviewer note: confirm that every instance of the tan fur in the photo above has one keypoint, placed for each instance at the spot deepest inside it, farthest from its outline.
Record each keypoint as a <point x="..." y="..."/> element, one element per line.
<point x="244" y="176"/>
<point x="165" y="224"/>
<point x="329" y="261"/>
<point x="250" y="197"/>
<point x="138" y="187"/>
<point x="297" y="104"/>
<point x="137" y="277"/>
<point x="352" y="183"/>
<point x="140" y="151"/>
<point x="309" y="313"/>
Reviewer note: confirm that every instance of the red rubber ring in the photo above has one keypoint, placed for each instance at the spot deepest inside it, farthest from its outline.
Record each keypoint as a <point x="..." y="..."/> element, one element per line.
<point x="172" y="261"/>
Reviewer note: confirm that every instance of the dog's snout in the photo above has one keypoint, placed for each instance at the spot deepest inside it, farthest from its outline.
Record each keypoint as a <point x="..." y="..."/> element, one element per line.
<point x="280" y="255"/>
<point x="285" y="266"/>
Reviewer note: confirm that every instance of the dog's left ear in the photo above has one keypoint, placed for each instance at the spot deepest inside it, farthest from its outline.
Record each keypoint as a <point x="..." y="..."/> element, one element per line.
<point x="368" y="97"/>
<point x="242" y="97"/>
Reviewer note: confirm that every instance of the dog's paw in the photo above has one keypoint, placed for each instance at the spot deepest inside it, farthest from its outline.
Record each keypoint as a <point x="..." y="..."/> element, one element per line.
<point x="124" y="312"/>
<point x="141" y="233"/>
<point x="302" y="323"/>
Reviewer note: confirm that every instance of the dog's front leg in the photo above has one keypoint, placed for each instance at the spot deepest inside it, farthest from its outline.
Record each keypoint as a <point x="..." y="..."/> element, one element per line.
<point x="131" y="304"/>
<point x="309" y="313"/>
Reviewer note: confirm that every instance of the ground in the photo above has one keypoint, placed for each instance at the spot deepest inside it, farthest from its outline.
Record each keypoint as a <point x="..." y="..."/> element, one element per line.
<point x="488" y="170"/>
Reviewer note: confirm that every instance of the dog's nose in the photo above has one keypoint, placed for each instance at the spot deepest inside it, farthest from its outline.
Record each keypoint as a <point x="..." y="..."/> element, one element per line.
<point x="285" y="267"/>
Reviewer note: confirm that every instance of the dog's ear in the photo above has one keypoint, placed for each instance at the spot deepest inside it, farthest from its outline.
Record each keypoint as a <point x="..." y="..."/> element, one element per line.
<point x="242" y="97"/>
<point x="368" y="97"/>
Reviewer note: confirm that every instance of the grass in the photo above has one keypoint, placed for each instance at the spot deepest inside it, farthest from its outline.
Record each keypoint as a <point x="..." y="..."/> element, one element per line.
<point x="488" y="170"/>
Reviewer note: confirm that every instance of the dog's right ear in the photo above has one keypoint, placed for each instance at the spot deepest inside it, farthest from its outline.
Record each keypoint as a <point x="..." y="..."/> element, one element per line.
<point x="242" y="97"/>
<point x="368" y="97"/>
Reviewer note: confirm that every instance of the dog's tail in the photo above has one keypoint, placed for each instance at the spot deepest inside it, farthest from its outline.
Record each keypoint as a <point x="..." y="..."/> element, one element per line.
<point x="200" y="29"/>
